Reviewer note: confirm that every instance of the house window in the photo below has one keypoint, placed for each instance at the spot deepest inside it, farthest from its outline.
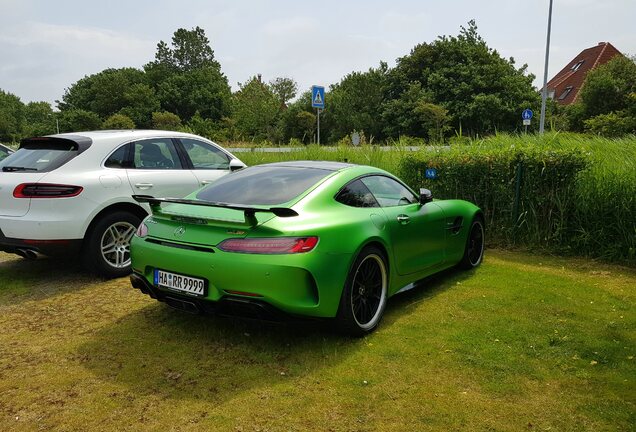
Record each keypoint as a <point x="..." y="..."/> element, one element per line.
<point x="565" y="93"/>
<point x="577" y="65"/>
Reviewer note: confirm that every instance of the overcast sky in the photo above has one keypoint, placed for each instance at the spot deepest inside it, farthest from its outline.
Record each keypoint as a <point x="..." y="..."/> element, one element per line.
<point x="45" y="46"/>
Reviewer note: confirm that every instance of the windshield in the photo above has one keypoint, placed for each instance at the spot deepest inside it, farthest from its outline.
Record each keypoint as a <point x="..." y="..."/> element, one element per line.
<point x="262" y="185"/>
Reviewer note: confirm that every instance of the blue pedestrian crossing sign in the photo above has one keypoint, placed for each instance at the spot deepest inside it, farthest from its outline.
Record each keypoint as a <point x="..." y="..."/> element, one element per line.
<point x="527" y="114"/>
<point x="430" y="173"/>
<point x="317" y="97"/>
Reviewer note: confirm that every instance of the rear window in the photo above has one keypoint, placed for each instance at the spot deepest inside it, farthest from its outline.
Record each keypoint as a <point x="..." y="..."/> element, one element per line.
<point x="37" y="159"/>
<point x="262" y="185"/>
<point x="45" y="153"/>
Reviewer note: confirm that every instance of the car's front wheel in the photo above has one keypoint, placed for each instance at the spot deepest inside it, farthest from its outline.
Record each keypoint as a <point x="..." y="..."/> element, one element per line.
<point x="365" y="293"/>
<point x="107" y="245"/>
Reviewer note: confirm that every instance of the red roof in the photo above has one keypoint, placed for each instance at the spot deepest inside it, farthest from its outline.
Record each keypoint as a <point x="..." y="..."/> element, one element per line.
<point x="567" y="84"/>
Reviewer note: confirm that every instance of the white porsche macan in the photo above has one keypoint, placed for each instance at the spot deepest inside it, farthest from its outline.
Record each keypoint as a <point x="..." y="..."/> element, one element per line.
<point x="72" y="193"/>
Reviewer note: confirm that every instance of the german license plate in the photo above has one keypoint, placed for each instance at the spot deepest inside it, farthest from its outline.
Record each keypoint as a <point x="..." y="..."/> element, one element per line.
<point x="177" y="282"/>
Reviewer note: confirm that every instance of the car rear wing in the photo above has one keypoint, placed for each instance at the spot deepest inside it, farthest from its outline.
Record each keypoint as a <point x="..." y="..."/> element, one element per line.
<point x="248" y="211"/>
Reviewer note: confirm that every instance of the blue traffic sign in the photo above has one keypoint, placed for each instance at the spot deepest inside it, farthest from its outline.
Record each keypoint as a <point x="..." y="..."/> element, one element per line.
<point x="430" y="173"/>
<point x="317" y="97"/>
<point x="527" y="114"/>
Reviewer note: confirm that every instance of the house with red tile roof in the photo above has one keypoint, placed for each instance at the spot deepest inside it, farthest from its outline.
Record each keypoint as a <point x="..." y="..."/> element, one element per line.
<point x="566" y="85"/>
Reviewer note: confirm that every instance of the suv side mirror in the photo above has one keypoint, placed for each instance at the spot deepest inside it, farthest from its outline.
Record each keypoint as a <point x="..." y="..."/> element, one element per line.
<point x="426" y="196"/>
<point x="236" y="165"/>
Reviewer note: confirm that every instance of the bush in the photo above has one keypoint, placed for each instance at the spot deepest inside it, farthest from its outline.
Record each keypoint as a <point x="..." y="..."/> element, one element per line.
<point x="541" y="213"/>
<point x="165" y="121"/>
<point x="118" y="121"/>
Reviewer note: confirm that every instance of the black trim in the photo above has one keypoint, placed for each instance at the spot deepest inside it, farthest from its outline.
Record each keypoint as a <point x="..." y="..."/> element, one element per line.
<point x="180" y="245"/>
<point x="183" y="154"/>
<point x="375" y="175"/>
<point x="227" y="306"/>
<point x="78" y="142"/>
<point x="45" y="247"/>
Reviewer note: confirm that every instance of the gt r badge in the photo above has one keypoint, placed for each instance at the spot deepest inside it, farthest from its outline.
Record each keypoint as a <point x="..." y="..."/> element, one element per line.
<point x="179" y="231"/>
<point x="237" y="232"/>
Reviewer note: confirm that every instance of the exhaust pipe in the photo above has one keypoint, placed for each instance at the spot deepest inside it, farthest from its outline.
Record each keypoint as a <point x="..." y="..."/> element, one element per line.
<point x="27" y="254"/>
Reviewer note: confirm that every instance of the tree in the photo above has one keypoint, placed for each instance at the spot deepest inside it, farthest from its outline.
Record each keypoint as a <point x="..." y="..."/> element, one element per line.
<point x="255" y="109"/>
<point x="107" y="92"/>
<point x="202" y="90"/>
<point x="75" y="120"/>
<point x="141" y="101"/>
<point x="187" y="78"/>
<point x="608" y="87"/>
<point x="482" y="91"/>
<point x="608" y="100"/>
<point x="118" y="121"/>
<point x="190" y="50"/>
<point x="355" y="103"/>
<point x="39" y="119"/>
<point x="165" y="121"/>
<point x="284" y="88"/>
<point x="11" y="117"/>
<point x="298" y="120"/>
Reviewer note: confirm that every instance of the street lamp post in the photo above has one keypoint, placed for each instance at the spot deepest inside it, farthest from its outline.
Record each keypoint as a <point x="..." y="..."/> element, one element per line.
<point x="544" y="93"/>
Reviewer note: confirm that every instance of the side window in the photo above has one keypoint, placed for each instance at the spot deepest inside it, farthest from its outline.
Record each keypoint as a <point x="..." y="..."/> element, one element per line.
<point x="356" y="194"/>
<point x="204" y="155"/>
<point x="388" y="192"/>
<point x="159" y="153"/>
<point x="117" y="159"/>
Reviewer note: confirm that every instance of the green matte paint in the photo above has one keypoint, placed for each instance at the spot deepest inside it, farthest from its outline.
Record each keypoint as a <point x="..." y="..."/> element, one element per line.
<point x="309" y="283"/>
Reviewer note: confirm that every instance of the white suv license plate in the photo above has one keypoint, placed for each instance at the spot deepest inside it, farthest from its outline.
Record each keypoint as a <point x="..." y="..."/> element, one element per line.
<point x="177" y="282"/>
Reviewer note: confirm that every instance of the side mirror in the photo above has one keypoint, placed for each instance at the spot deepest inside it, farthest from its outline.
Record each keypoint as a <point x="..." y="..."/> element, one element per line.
<point x="236" y="165"/>
<point x="426" y="196"/>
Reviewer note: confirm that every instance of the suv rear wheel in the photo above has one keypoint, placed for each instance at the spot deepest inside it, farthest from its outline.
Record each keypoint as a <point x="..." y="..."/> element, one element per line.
<point x="107" y="245"/>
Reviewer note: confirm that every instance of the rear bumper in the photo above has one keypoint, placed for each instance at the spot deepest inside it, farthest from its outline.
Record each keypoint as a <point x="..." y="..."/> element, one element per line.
<point x="45" y="247"/>
<point x="297" y="284"/>
<point x="226" y="306"/>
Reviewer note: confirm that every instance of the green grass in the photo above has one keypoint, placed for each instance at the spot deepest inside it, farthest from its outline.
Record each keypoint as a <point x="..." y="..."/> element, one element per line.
<point x="524" y="343"/>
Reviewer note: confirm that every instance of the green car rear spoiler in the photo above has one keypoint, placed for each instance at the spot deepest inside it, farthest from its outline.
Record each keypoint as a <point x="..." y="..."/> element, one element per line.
<point x="248" y="211"/>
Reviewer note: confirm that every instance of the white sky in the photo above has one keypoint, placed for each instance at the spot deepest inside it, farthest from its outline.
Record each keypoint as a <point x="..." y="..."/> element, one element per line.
<point x="45" y="46"/>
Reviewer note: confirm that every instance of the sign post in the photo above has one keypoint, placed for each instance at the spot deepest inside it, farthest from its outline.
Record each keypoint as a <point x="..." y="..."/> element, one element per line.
<point x="318" y="102"/>
<point x="526" y="115"/>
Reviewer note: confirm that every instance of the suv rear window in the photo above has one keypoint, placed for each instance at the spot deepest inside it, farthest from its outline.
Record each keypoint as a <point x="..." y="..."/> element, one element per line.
<point x="262" y="185"/>
<point x="43" y="154"/>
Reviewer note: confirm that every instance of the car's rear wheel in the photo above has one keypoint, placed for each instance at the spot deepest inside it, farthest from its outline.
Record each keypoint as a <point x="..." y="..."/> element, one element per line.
<point x="474" y="251"/>
<point x="365" y="293"/>
<point x="107" y="246"/>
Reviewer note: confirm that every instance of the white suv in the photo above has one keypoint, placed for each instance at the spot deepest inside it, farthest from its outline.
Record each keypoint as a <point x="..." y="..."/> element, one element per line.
<point x="73" y="192"/>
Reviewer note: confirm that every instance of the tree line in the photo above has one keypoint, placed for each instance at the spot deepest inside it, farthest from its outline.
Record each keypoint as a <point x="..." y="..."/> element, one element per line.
<point x="455" y="85"/>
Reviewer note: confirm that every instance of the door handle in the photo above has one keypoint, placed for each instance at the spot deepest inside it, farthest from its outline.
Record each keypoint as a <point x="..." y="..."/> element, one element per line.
<point x="143" y="185"/>
<point x="403" y="219"/>
<point x="206" y="182"/>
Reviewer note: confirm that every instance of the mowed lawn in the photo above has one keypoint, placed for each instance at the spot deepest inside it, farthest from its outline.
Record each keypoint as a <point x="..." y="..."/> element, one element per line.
<point x="524" y="343"/>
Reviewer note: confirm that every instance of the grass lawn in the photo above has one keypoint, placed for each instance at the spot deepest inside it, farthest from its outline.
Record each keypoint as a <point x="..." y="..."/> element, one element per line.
<point x="524" y="343"/>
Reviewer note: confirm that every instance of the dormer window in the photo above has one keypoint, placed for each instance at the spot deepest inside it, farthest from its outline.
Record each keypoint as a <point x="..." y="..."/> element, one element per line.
<point x="565" y="93"/>
<point x="577" y="65"/>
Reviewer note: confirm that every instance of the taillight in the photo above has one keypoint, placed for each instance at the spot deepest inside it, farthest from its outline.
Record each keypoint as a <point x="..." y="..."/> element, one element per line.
<point x="46" y="190"/>
<point x="142" y="230"/>
<point x="279" y="245"/>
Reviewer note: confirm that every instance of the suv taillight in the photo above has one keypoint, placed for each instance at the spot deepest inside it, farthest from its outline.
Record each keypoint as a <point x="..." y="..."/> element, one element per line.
<point x="276" y="245"/>
<point x="46" y="190"/>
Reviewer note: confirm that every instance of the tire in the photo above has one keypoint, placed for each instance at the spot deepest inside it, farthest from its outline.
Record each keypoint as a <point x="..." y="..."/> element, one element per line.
<point x="107" y="246"/>
<point x="474" y="250"/>
<point x="364" y="295"/>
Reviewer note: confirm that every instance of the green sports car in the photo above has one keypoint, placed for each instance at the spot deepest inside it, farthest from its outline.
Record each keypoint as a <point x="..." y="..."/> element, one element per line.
<point x="317" y="239"/>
